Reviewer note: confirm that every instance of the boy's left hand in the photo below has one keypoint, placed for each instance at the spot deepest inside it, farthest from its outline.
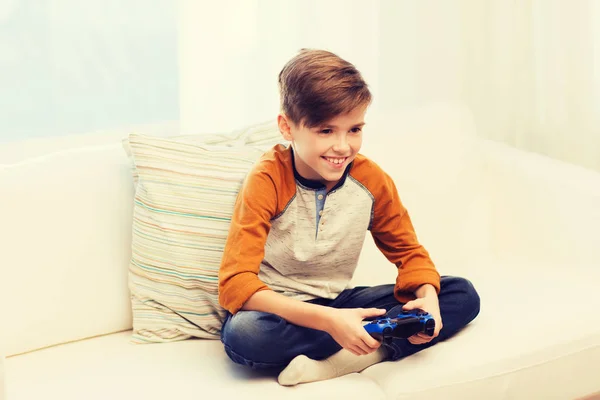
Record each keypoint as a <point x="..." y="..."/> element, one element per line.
<point x="430" y="304"/>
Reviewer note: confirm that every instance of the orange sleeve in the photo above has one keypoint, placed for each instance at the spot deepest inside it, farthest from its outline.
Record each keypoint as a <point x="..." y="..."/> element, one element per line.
<point x="244" y="250"/>
<point x="395" y="236"/>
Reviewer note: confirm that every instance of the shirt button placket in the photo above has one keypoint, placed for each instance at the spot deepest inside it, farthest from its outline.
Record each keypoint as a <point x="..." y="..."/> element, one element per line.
<point x="320" y="201"/>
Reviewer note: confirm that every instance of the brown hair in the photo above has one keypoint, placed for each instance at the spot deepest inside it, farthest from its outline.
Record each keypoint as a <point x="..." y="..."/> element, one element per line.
<point x="317" y="85"/>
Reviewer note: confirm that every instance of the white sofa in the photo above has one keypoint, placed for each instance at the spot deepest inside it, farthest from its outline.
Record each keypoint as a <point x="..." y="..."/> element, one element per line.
<point x="522" y="227"/>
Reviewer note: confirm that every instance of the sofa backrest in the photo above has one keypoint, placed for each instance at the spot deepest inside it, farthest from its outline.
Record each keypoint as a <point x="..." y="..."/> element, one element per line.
<point x="543" y="209"/>
<point x="66" y="223"/>
<point x="433" y="154"/>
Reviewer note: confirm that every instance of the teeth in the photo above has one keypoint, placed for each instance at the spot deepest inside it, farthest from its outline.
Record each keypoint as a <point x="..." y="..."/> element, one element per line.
<point x="335" y="160"/>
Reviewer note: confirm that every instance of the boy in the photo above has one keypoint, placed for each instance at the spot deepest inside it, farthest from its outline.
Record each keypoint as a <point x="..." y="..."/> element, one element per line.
<point x="297" y="231"/>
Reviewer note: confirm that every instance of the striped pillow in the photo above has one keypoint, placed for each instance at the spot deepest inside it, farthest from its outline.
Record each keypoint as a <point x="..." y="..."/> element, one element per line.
<point x="184" y="198"/>
<point x="265" y="133"/>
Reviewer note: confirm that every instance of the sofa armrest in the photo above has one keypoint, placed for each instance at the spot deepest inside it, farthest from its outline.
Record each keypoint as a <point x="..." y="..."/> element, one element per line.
<point x="542" y="208"/>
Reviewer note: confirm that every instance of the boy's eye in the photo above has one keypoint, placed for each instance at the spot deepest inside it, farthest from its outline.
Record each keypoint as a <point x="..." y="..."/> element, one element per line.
<point x="328" y="131"/>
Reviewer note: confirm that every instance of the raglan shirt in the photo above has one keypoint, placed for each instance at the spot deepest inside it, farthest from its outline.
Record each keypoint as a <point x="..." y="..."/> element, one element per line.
<point x="289" y="235"/>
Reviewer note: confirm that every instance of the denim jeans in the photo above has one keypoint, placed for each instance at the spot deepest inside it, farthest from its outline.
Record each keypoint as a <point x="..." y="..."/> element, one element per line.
<point x="266" y="341"/>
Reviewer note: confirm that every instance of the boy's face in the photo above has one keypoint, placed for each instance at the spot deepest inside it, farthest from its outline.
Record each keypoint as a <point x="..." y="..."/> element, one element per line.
<point x="322" y="153"/>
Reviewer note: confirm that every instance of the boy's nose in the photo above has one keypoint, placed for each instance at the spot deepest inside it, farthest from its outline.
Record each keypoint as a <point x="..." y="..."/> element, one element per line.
<point x="341" y="144"/>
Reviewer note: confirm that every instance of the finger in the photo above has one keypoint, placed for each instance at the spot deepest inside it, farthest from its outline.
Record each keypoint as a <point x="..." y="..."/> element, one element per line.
<point x="370" y="341"/>
<point x="411" y="305"/>
<point x="421" y="338"/>
<point x="373" y="312"/>
<point x="364" y="346"/>
<point x="359" y="350"/>
<point x="438" y="328"/>
<point x="370" y="348"/>
<point x="353" y="350"/>
<point x="416" y="340"/>
<point x="425" y="338"/>
<point x="365" y="349"/>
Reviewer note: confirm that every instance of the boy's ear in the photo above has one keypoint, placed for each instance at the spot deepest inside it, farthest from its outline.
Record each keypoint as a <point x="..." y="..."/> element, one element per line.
<point x="284" y="127"/>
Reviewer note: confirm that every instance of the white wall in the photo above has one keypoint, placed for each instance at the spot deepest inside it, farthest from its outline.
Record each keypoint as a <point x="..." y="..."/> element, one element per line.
<point x="410" y="53"/>
<point x="528" y="70"/>
<point x="231" y="53"/>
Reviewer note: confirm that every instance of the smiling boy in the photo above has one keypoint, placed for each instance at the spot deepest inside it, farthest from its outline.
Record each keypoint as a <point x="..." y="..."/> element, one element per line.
<point x="297" y="231"/>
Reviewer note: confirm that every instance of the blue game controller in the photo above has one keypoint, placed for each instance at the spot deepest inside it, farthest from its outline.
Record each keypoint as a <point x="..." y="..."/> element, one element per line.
<point x="404" y="325"/>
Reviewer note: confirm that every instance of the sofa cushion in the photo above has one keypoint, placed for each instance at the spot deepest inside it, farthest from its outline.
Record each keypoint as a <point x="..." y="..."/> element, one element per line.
<point x="532" y="345"/>
<point x="184" y="198"/>
<point x="110" y="367"/>
<point x="537" y="337"/>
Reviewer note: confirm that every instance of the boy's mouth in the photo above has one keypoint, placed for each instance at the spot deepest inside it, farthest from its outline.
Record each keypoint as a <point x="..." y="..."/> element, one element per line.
<point x="335" y="161"/>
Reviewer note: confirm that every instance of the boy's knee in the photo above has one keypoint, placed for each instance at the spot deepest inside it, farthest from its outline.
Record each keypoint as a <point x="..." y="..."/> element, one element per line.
<point x="471" y="300"/>
<point x="252" y="334"/>
<point x="465" y="294"/>
<point x="247" y="327"/>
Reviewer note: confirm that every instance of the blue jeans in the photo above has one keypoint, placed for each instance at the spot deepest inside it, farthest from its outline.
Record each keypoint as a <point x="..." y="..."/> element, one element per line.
<point x="266" y="341"/>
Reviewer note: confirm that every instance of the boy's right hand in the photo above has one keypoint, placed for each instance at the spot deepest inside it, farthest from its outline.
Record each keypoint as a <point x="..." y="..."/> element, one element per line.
<point x="346" y="328"/>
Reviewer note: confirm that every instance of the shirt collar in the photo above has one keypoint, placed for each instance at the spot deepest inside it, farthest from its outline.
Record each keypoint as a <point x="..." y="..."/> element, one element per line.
<point x="314" y="184"/>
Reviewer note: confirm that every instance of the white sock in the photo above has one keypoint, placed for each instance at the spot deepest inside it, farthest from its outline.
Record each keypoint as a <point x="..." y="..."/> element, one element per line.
<point x="303" y="369"/>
